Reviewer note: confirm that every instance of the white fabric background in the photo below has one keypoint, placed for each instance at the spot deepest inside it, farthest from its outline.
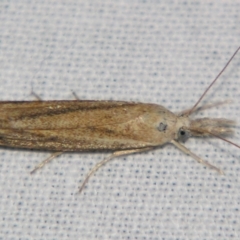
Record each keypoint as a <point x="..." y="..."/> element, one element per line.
<point x="148" y="51"/>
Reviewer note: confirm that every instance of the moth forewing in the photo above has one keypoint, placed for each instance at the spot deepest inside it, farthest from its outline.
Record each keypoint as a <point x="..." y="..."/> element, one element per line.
<point x="84" y="125"/>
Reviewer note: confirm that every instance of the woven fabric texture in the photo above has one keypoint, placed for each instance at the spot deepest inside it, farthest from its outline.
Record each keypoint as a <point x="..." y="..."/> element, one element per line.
<point x="163" y="52"/>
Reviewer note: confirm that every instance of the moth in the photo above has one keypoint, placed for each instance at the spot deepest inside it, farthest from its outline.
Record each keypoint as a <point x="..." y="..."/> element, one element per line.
<point x="117" y="126"/>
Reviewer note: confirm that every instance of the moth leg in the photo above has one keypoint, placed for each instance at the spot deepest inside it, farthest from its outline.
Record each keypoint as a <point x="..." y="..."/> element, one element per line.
<point x="75" y="95"/>
<point x="194" y="156"/>
<point x="36" y="96"/>
<point x="49" y="159"/>
<point x="104" y="161"/>
<point x="39" y="99"/>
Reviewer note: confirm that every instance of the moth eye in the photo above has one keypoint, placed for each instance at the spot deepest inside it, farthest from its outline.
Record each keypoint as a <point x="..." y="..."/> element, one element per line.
<point x="162" y="127"/>
<point x="183" y="134"/>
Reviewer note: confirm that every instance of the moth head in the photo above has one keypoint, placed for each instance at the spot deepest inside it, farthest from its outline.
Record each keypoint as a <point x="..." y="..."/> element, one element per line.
<point x="204" y="127"/>
<point x="182" y="129"/>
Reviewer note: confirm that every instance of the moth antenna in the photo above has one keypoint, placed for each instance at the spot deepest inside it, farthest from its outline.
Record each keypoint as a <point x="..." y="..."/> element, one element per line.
<point x="204" y="107"/>
<point x="220" y="73"/>
<point x="225" y="140"/>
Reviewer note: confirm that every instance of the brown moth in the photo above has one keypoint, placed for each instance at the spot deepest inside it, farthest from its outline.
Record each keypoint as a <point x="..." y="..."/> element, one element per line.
<point x="121" y="127"/>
